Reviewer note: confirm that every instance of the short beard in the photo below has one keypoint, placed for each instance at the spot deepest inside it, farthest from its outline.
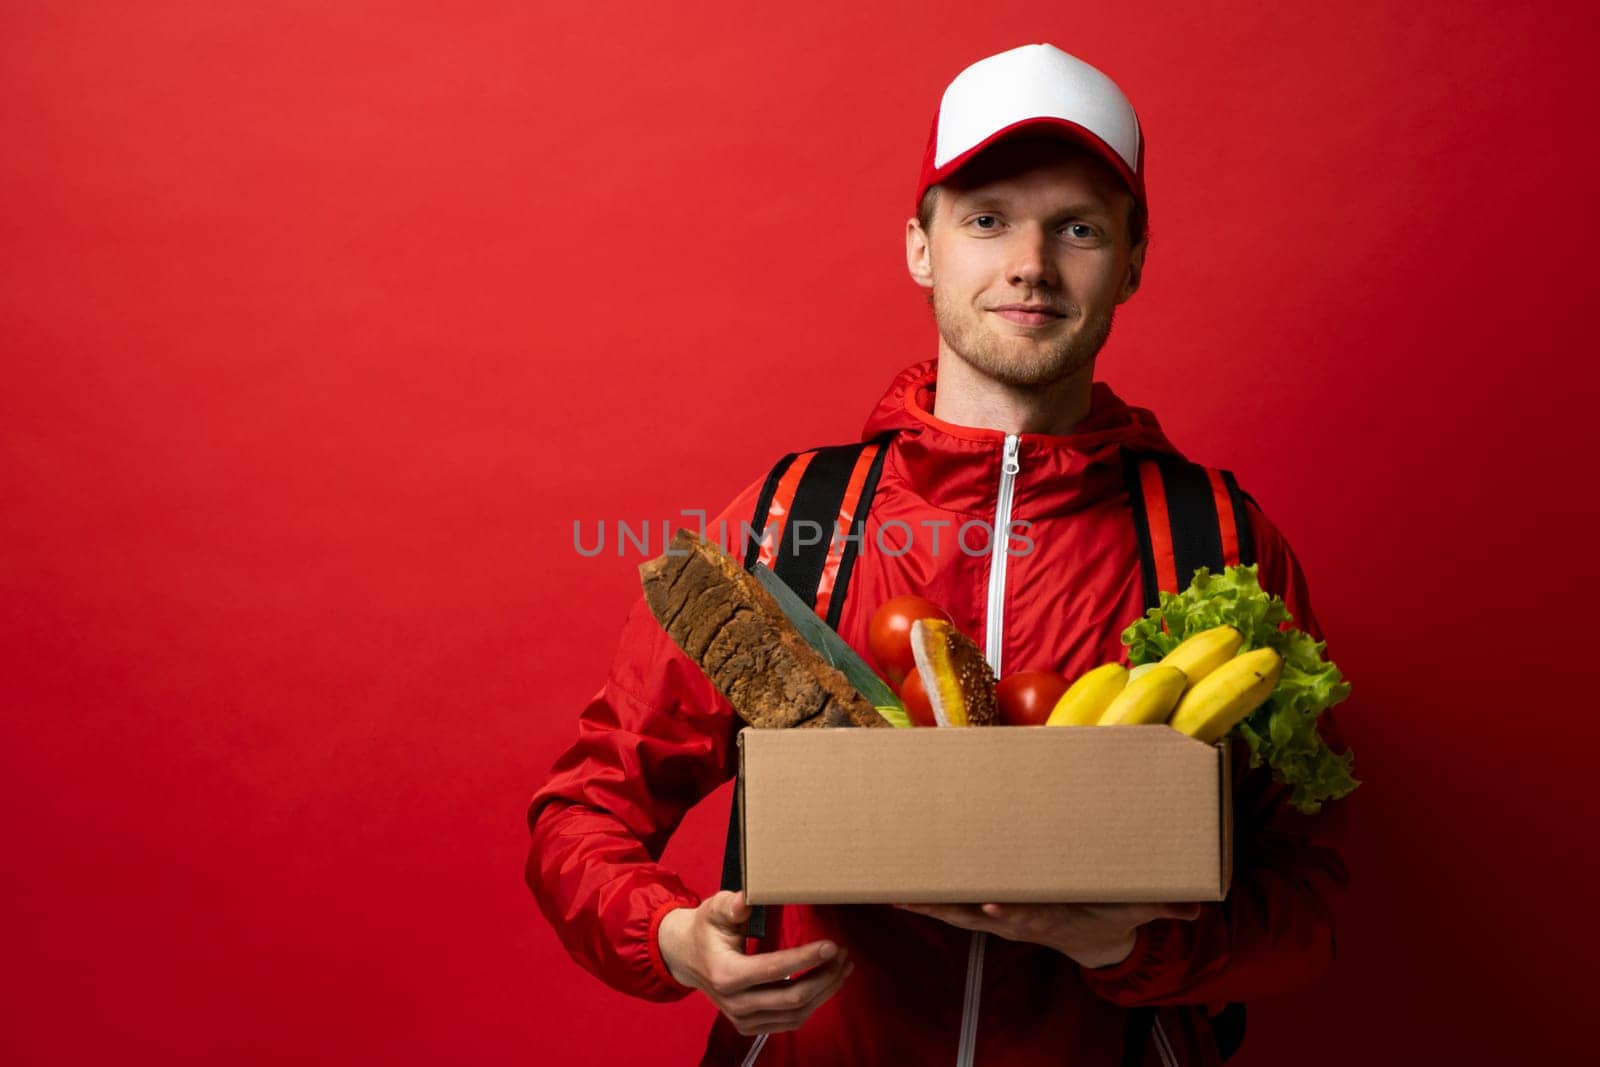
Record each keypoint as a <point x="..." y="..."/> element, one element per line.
<point x="984" y="353"/>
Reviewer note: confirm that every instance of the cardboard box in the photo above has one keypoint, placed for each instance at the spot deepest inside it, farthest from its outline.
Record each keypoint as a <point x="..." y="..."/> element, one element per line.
<point x="999" y="813"/>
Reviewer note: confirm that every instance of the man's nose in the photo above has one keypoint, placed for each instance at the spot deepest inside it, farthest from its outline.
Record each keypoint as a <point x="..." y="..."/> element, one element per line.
<point x="1031" y="263"/>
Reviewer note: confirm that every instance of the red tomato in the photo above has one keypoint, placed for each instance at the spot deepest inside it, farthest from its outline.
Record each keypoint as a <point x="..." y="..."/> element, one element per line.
<point x="889" y="637"/>
<point x="918" y="710"/>
<point x="1027" y="697"/>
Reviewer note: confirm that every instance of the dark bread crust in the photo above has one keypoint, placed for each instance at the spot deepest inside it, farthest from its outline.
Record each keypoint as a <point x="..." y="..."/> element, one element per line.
<point x="730" y="626"/>
<point x="977" y="681"/>
<point x="946" y="655"/>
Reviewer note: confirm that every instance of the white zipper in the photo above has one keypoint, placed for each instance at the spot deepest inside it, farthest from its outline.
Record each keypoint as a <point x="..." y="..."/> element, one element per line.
<point x="1168" y="1057"/>
<point x="969" y="1004"/>
<point x="1000" y="551"/>
<point x="755" y="1049"/>
<point x="994" y="636"/>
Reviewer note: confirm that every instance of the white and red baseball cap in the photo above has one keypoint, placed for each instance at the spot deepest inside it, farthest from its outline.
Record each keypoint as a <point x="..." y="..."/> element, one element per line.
<point x="1035" y="89"/>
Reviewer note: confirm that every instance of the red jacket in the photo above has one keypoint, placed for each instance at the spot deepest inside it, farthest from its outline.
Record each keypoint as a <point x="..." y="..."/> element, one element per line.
<point x="657" y="738"/>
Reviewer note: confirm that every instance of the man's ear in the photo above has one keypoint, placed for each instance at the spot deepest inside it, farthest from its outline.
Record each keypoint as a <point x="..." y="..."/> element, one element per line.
<point x="1135" y="273"/>
<point x="919" y="258"/>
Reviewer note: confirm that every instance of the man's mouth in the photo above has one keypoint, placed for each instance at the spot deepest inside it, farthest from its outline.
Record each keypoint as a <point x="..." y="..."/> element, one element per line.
<point x="1029" y="314"/>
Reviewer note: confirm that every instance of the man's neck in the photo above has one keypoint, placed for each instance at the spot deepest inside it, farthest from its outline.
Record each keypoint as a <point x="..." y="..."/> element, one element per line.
<point x="965" y="397"/>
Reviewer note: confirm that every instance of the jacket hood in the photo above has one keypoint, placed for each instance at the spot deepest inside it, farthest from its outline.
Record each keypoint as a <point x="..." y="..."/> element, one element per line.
<point x="958" y="467"/>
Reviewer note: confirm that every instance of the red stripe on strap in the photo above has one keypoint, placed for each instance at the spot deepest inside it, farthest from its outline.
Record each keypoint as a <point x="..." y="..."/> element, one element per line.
<point x="1155" y="509"/>
<point x="1230" y="532"/>
<point x="778" y="512"/>
<point x="847" y="518"/>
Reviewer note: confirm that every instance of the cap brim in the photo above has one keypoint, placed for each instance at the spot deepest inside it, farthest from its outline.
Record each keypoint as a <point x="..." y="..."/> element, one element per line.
<point x="1048" y="126"/>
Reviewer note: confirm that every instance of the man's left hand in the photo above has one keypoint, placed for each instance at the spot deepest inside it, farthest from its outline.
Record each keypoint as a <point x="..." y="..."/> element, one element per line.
<point x="1095" y="935"/>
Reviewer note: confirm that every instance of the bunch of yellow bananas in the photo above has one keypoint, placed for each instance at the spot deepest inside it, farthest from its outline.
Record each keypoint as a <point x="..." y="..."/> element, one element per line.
<point x="1203" y="688"/>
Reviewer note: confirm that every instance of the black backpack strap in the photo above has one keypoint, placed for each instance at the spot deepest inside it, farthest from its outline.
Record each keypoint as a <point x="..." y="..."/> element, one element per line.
<point x="769" y="490"/>
<point x="1185" y="516"/>
<point x="1136" y="1026"/>
<point x="808" y="526"/>
<point x="852" y="514"/>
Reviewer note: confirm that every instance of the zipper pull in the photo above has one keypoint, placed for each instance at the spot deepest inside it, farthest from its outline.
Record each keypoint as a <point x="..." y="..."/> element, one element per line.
<point x="1013" y="447"/>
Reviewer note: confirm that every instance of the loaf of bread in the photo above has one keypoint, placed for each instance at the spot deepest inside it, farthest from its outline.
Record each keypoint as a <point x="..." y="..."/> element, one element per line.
<point x="732" y="628"/>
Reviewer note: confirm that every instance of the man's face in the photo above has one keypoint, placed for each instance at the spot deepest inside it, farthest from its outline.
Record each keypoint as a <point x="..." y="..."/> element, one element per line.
<point x="1026" y="259"/>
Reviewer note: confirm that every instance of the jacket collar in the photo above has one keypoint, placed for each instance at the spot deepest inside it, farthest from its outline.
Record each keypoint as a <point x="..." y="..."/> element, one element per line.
<point x="957" y="468"/>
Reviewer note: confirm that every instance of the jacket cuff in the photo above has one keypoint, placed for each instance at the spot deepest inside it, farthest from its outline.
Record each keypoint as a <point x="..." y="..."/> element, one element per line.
<point x="670" y="988"/>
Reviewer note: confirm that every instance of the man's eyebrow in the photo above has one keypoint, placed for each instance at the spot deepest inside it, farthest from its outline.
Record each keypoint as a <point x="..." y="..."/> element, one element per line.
<point x="1097" y="210"/>
<point x="968" y="202"/>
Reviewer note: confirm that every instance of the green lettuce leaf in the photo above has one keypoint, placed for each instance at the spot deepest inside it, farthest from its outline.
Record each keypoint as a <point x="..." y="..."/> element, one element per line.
<point x="1282" y="732"/>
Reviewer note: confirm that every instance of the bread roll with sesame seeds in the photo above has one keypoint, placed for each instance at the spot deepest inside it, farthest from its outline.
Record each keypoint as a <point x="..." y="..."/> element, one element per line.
<point x="960" y="684"/>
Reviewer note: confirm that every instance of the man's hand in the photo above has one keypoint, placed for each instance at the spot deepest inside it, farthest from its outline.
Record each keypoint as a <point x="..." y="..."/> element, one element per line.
<point x="704" y="949"/>
<point x="1095" y="935"/>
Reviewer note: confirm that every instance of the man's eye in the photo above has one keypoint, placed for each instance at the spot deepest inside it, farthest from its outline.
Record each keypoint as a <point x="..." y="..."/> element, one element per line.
<point x="1079" y="230"/>
<point x="985" y="222"/>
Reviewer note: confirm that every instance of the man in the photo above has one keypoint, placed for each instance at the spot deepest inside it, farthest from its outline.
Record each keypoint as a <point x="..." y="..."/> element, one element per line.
<point x="1030" y="232"/>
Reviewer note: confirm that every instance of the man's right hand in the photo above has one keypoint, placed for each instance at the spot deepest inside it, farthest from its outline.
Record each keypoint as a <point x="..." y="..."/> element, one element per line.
<point x="704" y="949"/>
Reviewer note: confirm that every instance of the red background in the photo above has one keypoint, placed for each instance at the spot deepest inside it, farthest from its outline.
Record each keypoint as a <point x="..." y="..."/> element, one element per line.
<point x="323" y="322"/>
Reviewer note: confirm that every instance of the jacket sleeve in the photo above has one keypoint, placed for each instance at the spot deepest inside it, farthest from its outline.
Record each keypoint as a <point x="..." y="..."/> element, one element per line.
<point x="1275" y="930"/>
<point x="653" y="741"/>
